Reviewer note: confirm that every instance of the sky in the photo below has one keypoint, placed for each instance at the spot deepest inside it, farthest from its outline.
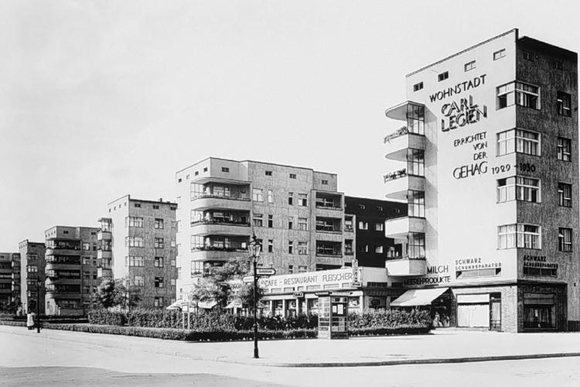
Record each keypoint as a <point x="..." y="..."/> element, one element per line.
<point x="99" y="99"/>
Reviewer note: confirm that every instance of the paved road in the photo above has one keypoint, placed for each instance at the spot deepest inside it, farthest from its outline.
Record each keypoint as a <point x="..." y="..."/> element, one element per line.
<point x="70" y="359"/>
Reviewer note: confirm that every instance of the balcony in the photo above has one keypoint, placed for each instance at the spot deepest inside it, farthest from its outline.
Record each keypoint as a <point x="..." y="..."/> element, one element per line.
<point x="63" y="251"/>
<point x="104" y="272"/>
<point x="399" y="183"/>
<point x="400" y="227"/>
<point x="218" y="253"/>
<point x="104" y="254"/>
<point x="207" y="201"/>
<point x="405" y="267"/>
<point x="62" y="266"/>
<point x="215" y="227"/>
<point x="400" y="141"/>
<point x="104" y="235"/>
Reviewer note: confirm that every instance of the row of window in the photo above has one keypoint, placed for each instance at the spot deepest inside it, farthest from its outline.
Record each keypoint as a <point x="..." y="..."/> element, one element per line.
<point x="139" y="205"/>
<point x="135" y="241"/>
<point x="527" y="95"/>
<point x="528" y="189"/>
<point x="138" y="221"/>
<point x="527" y="142"/>
<point x="528" y="236"/>
<point x="136" y="261"/>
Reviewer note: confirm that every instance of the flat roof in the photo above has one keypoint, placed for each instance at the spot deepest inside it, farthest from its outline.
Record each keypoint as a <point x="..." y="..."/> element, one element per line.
<point x="128" y="196"/>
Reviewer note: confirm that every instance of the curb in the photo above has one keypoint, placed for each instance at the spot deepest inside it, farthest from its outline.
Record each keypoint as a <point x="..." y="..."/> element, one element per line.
<point x="404" y="362"/>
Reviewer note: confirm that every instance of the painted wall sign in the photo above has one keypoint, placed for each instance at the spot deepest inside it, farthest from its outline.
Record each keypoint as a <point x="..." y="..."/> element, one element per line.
<point x="318" y="278"/>
<point x="466" y="264"/>
<point x="462" y="113"/>
<point x="458" y="88"/>
<point x="538" y="261"/>
<point x="427" y="280"/>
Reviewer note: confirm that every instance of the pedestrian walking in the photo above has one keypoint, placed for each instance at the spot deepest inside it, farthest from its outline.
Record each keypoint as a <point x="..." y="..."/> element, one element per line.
<point x="30" y="320"/>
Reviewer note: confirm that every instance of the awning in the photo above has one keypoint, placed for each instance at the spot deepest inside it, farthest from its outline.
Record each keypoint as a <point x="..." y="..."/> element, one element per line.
<point x="234" y="304"/>
<point x="418" y="297"/>
<point x="206" y="304"/>
<point x="177" y="304"/>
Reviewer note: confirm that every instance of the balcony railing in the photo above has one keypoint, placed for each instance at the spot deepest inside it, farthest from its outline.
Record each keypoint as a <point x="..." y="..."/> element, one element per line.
<point x="217" y="248"/>
<point x="328" y="229"/>
<point x="395" y="175"/>
<point x="398" y="133"/>
<point x="328" y="254"/>
<point x="221" y="221"/>
<point x="212" y="196"/>
<point x="328" y="206"/>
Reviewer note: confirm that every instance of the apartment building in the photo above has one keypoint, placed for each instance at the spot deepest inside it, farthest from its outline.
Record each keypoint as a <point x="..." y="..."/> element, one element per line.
<point x="296" y="213"/>
<point x="140" y="236"/>
<point x="32" y="266"/>
<point x="71" y="269"/>
<point x="487" y="144"/>
<point x="9" y="279"/>
<point x="373" y="247"/>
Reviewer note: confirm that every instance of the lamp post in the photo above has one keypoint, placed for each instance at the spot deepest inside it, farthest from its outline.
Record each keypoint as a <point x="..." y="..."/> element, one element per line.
<point x="38" y="284"/>
<point x="255" y="254"/>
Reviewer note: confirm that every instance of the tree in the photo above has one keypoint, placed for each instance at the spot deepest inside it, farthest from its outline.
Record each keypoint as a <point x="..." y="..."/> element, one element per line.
<point x="112" y="293"/>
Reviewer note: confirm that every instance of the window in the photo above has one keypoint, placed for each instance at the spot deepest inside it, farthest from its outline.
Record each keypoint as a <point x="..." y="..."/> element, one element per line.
<point x="258" y="220"/>
<point x="518" y="188"/>
<point x="564" y="195"/>
<point x="158" y="262"/>
<point x="348" y="225"/>
<point x="134" y="221"/>
<point x="363" y="225"/>
<point x="134" y="261"/>
<point x="379" y="249"/>
<point x="416" y="245"/>
<point x="302" y="248"/>
<point x="520" y="141"/>
<point x="270" y="245"/>
<point x="303" y="224"/>
<point x="564" y="149"/>
<point x="565" y="239"/>
<point x="348" y="247"/>
<point x="290" y="198"/>
<point x="293" y="176"/>
<point x="290" y="223"/>
<point x="528" y="56"/>
<point x="86" y="246"/>
<point x="303" y="200"/>
<point x="268" y="173"/>
<point x="416" y="162"/>
<point x="134" y="242"/>
<point x="559" y="65"/>
<point x="158" y="223"/>
<point x="416" y="203"/>
<point x="469" y="65"/>
<point x="324" y="182"/>
<point x="270" y="221"/>
<point x="205" y="169"/>
<point x="225" y="169"/>
<point x="290" y="247"/>
<point x="564" y="104"/>
<point x="270" y="196"/>
<point x="518" y="93"/>
<point x="158" y="282"/>
<point x="416" y="119"/>
<point x="158" y="302"/>
<point x="138" y="205"/>
<point x="302" y="269"/>
<point x="443" y="76"/>
<point x="380" y="208"/>
<point x="525" y="236"/>
<point x="257" y="195"/>
<point x="417" y="86"/>
<point x="499" y="54"/>
<point x="379" y="227"/>
<point x="173" y="282"/>
<point x="155" y="207"/>
<point x="159" y="243"/>
<point x="32" y="269"/>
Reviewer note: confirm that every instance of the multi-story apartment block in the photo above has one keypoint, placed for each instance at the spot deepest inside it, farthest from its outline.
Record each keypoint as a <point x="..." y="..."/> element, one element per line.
<point x="296" y="213"/>
<point x="71" y="269"/>
<point x="490" y="150"/>
<point x="9" y="278"/>
<point x="32" y="266"/>
<point x="372" y="246"/>
<point x="140" y="240"/>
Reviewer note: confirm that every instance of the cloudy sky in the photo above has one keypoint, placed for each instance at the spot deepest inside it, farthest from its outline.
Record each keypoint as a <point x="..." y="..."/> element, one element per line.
<point x="99" y="99"/>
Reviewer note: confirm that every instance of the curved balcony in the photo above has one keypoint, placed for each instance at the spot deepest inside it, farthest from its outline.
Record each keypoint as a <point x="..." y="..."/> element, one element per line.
<point x="400" y="227"/>
<point x="220" y="228"/>
<point x="406" y="267"/>
<point x="217" y="254"/>
<point x="399" y="142"/>
<point x="62" y="266"/>
<point x="399" y="183"/>
<point x="206" y="202"/>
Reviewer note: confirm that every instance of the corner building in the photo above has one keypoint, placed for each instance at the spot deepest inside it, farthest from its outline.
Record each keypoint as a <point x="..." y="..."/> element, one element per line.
<point x="296" y="213"/>
<point x="489" y="168"/>
<point x="32" y="266"/>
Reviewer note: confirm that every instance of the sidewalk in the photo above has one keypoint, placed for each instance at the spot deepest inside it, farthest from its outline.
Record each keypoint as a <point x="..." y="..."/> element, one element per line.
<point x="442" y="346"/>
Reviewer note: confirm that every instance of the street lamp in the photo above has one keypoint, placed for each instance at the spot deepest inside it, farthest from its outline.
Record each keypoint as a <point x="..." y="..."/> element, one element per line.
<point x="38" y="284"/>
<point x="255" y="254"/>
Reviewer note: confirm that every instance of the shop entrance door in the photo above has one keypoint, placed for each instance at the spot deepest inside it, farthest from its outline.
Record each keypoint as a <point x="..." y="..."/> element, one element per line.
<point x="495" y="312"/>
